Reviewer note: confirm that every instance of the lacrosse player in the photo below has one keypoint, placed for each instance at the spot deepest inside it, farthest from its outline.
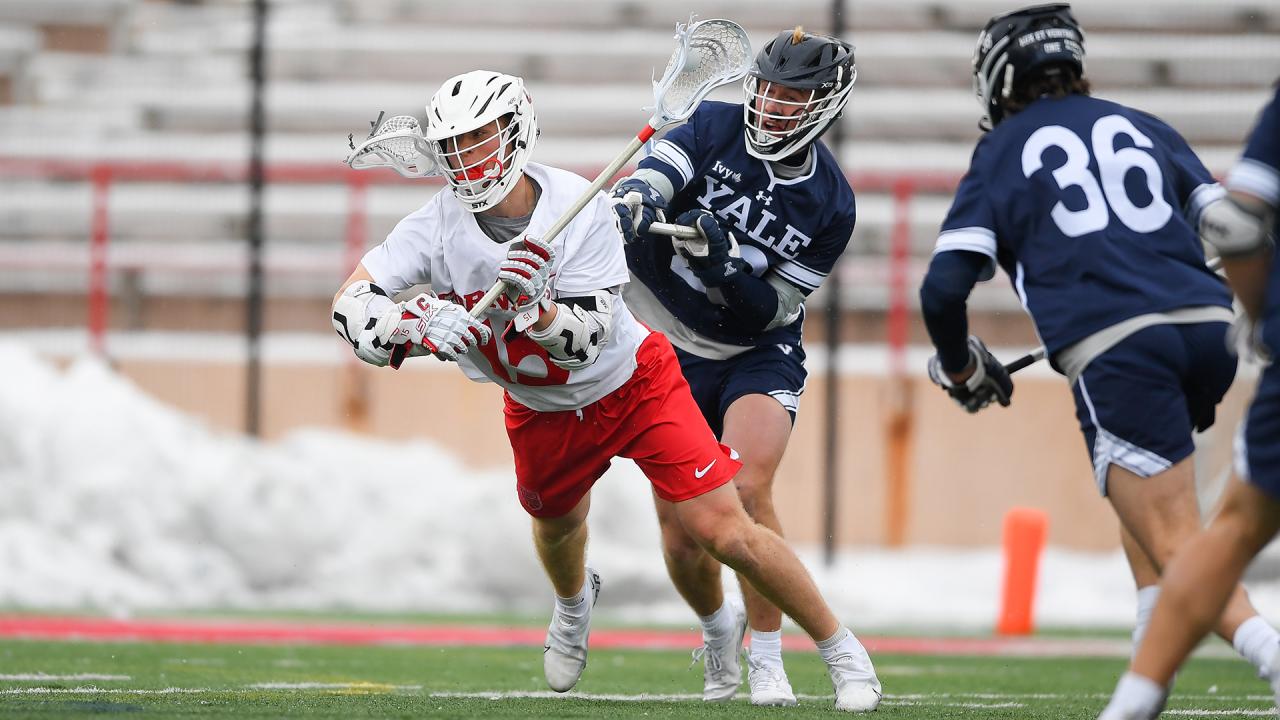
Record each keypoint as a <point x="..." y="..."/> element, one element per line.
<point x="1204" y="577"/>
<point x="584" y="381"/>
<point x="774" y="211"/>
<point x="1091" y="207"/>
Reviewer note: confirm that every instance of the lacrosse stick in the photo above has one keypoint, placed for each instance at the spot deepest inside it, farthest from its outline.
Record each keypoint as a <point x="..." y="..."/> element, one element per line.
<point x="396" y="142"/>
<point x="1038" y="354"/>
<point x="709" y="54"/>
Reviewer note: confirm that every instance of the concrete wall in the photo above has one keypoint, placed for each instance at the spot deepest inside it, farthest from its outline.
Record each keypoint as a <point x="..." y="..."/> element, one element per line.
<point x="961" y="473"/>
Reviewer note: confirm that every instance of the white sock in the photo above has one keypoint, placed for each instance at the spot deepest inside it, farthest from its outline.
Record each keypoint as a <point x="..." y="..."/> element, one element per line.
<point x="718" y="624"/>
<point x="766" y="647"/>
<point x="1135" y="696"/>
<point x="1147" y="597"/>
<point x="578" y="605"/>
<point x="1257" y="642"/>
<point x="842" y="643"/>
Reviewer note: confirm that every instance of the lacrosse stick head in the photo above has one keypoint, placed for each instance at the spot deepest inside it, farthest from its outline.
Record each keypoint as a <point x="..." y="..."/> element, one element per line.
<point x="795" y="91"/>
<point x="395" y="142"/>
<point x="482" y="127"/>
<point x="709" y="53"/>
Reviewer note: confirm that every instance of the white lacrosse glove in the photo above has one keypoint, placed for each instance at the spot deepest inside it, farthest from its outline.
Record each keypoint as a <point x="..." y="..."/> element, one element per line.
<point x="526" y="271"/>
<point x="356" y="312"/>
<point x="427" y="324"/>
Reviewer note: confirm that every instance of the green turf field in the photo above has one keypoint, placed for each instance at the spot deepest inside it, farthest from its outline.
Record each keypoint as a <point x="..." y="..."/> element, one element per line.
<point x="75" y="679"/>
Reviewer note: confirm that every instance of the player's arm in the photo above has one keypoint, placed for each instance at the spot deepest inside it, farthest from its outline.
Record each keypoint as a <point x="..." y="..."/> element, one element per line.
<point x="572" y="329"/>
<point x="963" y="366"/>
<point x="373" y="324"/>
<point x="713" y="259"/>
<point x="1239" y="227"/>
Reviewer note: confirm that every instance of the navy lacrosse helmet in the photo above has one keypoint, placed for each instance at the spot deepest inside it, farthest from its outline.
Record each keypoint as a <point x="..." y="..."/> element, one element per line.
<point x="820" y="65"/>
<point x="1015" y="44"/>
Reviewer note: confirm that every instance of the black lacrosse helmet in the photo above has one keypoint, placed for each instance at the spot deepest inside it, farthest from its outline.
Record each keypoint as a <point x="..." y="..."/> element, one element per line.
<point x="820" y="64"/>
<point x="1015" y="44"/>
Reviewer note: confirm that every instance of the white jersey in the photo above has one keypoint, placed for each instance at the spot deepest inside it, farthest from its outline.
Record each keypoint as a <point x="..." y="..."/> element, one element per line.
<point x="442" y="246"/>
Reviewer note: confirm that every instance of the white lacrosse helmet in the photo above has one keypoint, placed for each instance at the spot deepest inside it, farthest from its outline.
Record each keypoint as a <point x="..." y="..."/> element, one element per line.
<point x="474" y="100"/>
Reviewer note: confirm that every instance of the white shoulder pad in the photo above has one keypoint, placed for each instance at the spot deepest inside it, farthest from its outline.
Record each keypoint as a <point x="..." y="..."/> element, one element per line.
<point x="580" y="330"/>
<point x="1232" y="229"/>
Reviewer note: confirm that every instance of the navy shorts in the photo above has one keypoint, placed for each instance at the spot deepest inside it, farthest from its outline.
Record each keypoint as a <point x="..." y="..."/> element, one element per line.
<point x="773" y="370"/>
<point x="1139" y="402"/>
<point x="1258" y="441"/>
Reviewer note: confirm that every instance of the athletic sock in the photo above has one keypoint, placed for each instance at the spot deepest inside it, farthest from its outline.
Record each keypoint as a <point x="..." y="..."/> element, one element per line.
<point x="1137" y="696"/>
<point x="766" y="647"/>
<point x="1257" y="642"/>
<point x="1147" y="598"/>
<point x="718" y="625"/>
<point x="576" y="606"/>
<point x="843" y="642"/>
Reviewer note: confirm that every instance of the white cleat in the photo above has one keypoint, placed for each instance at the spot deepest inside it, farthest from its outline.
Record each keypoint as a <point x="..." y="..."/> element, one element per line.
<point x="722" y="673"/>
<point x="769" y="685"/>
<point x="857" y="687"/>
<point x="564" y="656"/>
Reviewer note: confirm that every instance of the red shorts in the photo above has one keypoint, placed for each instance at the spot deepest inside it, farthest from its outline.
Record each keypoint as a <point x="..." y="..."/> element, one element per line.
<point x="652" y="419"/>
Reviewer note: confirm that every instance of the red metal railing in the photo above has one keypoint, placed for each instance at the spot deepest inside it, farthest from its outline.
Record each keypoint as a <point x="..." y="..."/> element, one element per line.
<point x="102" y="175"/>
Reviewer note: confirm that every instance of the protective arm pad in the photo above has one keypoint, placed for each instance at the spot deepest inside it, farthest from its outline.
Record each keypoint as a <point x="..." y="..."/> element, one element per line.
<point x="358" y="308"/>
<point x="752" y="299"/>
<point x="579" y="331"/>
<point x="943" y="302"/>
<point x="1233" y="229"/>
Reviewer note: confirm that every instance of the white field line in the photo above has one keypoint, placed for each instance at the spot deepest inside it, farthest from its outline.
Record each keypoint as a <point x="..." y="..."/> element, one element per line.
<point x="45" y="677"/>
<point x="953" y="700"/>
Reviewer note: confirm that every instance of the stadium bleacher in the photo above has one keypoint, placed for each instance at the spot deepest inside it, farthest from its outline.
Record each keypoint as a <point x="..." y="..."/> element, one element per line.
<point x="125" y="80"/>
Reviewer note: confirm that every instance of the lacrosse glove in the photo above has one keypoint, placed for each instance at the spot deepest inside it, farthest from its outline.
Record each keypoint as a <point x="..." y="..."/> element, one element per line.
<point x="636" y="205"/>
<point x="427" y="324"/>
<point x="719" y="264"/>
<point x="989" y="381"/>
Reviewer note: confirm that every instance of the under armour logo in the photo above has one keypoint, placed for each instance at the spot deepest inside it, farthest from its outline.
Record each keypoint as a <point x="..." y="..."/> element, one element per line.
<point x="766" y="199"/>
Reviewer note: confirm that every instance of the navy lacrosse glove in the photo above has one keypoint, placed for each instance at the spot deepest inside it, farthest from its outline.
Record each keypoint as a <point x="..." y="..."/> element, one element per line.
<point x="637" y="205"/>
<point x="989" y="381"/>
<point x="712" y="257"/>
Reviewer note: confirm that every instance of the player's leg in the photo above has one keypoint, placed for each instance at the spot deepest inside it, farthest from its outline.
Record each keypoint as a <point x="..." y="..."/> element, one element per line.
<point x="696" y="576"/>
<point x="718" y="522"/>
<point x="554" y="488"/>
<point x="694" y="573"/>
<point x="1146" y="578"/>
<point x="561" y="543"/>
<point x="1196" y="588"/>
<point x="676" y="449"/>
<point x="1203" y="579"/>
<point x="1162" y="514"/>
<point x="759" y="427"/>
<point x="1137" y="405"/>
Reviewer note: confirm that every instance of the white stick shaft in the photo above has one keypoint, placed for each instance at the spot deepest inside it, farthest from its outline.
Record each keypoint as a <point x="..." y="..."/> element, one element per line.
<point x="683" y="232"/>
<point x="632" y="148"/>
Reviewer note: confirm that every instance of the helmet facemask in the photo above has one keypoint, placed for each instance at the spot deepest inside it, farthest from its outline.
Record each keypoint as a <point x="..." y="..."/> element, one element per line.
<point x="801" y="121"/>
<point x="481" y="178"/>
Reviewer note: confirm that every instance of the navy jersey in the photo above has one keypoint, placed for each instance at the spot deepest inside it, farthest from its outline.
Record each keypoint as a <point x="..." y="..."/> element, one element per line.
<point x="1258" y="174"/>
<point x="792" y="228"/>
<point x="1091" y="207"/>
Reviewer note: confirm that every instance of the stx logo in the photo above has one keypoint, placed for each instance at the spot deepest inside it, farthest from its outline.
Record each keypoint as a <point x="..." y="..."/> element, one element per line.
<point x="726" y="173"/>
<point x="727" y="204"/>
